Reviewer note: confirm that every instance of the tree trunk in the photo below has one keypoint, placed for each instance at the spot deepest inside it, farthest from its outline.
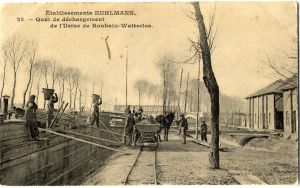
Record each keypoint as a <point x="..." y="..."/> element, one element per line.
<point x="53" y="75"/>
<point x="13" y="90"/>
<point x="212" y="87"/>
<point x="30" y="87"/>
<point x="80" y="98"/>
<point x="38" y="92"/>
<point x="44" y="106"/>
<point x="75" y="95"/>
<point x="3" y="82"/>
<point x="27" y="86"/>
<point x="63" y="91"/>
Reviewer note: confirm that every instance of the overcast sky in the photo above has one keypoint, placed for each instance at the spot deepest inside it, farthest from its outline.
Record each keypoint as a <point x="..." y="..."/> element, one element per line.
<point x="245" y="32"/>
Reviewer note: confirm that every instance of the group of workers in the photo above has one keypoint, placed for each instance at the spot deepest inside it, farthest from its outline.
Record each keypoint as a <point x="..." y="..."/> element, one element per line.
<point x="130" y="132"/>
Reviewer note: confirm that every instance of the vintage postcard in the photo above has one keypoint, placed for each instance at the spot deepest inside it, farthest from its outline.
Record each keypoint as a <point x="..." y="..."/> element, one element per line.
<point x="149" y="93"/>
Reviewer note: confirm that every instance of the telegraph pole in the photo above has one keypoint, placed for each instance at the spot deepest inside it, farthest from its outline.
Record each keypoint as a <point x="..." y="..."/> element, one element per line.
<point x="198" y="99"/>
<point x="186" y="91"/>
<point x="178" y="105"/>
<point x="126" y="72"/>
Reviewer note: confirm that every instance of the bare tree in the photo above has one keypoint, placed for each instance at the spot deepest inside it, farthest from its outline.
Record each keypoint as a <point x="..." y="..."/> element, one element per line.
<point x="61" y="76"/>
<point x="15" y="50"/>
<point x="76" y="77"/>
<point x="82" y="87"/>
<point x="168" y="71"/>
<point x="4" y="61"/>
<point x="38" y="72"/>
<point x="69" y="73"/>
<point x="141" y="86"/>
<point x="31" y="60"/>
<point x="211" y="85"/>
<point x="54" y="73"/>
<point x="46" y="66"/>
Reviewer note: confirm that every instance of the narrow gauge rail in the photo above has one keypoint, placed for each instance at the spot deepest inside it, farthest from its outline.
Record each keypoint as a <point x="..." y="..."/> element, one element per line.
<point x="141" y="163"/>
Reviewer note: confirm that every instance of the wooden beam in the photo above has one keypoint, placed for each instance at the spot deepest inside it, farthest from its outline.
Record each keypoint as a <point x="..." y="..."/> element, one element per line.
<point x="79" y="140"/>
<point x="87" y="136"/>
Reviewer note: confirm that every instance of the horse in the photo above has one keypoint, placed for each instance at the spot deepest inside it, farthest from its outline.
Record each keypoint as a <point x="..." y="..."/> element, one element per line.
<point x="166" y="122"/>
<point x="159" y="119"/>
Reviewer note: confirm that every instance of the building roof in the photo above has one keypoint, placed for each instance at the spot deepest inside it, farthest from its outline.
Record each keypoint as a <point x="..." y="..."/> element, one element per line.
<point x="277" y="87"/>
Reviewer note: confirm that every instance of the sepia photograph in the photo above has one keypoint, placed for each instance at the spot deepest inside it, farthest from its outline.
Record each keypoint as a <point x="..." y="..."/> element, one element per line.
<point x="149" y="93"/>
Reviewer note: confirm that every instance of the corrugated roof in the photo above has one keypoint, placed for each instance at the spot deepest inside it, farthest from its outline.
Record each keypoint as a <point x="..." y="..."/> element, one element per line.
<point x="277" y="87"/>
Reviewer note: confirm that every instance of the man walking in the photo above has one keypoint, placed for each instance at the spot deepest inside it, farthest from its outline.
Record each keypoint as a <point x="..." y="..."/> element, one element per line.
<point x="203" y="131"/>
<point x="183" y="125"/>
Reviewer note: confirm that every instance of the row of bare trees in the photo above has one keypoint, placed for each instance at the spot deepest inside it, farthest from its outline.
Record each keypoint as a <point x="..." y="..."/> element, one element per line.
<point x="40" y="73"/>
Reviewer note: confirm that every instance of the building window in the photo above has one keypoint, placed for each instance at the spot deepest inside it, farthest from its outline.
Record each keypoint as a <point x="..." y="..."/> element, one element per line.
<point x="270" y="117"/>
<point x="287" y="117"/>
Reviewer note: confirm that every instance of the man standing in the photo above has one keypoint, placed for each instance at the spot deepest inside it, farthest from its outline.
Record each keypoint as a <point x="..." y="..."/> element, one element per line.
<point x="96" y="112"/>
<point x="128" y="129"/>
<point x="50" y="109"/>
<point x="203" y="131"/>
<point x="183" y="125"/>
<point x="31" y="120"/>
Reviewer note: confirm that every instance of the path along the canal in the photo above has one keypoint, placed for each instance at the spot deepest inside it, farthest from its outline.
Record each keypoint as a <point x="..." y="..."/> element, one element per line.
<point x="179" y="164"/>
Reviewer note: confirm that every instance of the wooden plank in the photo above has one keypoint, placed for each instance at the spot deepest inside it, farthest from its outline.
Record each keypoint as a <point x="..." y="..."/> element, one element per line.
<point x="248" y="134"/>
<point x="80" y="140"/>
<point x="88" y="136"/>
<point x="221" y="148"/>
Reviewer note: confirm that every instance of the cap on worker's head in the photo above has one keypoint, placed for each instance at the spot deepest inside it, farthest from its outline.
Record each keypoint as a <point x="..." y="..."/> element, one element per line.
<point x="203" y="121"/>
<point x="181" y="115"/>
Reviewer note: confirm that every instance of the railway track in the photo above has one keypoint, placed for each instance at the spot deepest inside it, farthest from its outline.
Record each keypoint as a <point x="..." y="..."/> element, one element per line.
<point x="143" y="170"/>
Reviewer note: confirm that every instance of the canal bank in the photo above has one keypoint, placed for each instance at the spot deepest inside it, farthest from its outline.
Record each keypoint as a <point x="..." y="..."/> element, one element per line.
<point x="53" y="160"/>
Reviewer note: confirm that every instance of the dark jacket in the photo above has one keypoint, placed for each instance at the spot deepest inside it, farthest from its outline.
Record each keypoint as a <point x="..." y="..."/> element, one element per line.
<point x="203" y="128"/>
<point x="183" y="123"/>
<point x="130" y="122"/>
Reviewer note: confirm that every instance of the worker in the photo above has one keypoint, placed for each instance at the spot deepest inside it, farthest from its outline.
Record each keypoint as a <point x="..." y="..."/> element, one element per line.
<point x="127" y="110"/>
<point x="96" y="113"/>
<point x="133" y="110"/>
<point x="128" y="129"/>
<point x="141" y="110"/>
<point x="203" y="131"/>
<point x="183" y="126"/>
<point x="50" y="109"/>
<point x="31" y="120"/>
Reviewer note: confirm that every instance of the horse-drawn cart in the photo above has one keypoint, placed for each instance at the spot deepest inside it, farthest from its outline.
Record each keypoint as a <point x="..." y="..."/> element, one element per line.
<point x="148" y="134"/>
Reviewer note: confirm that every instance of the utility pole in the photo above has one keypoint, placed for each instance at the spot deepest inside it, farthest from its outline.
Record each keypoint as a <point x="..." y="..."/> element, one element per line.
<point x="101" y="91"/>
<point x="186" y="91"/>
<point x="198" y="99"/>
<point x="179" y="94"/>
<point x="126" y="72"/>
<point x="164" y="91"/>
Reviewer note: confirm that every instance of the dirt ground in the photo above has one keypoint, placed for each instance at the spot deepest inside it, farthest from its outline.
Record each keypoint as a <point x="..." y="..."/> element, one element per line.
<point x="180" y="164"/>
